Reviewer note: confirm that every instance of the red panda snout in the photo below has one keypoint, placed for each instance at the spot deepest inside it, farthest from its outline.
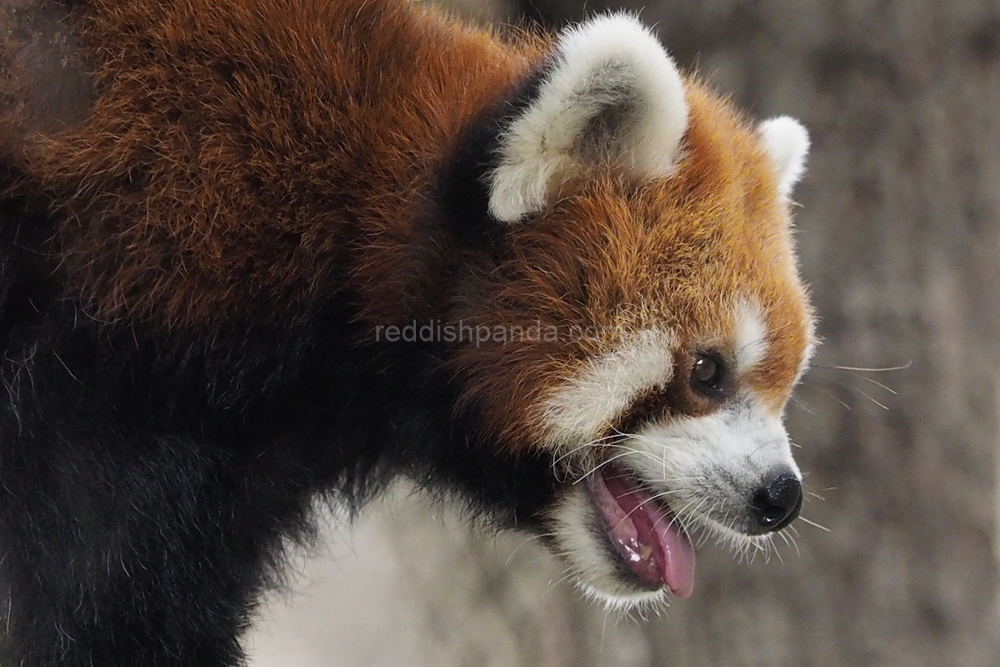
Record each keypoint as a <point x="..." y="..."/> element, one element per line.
<point x="728" y="476"/>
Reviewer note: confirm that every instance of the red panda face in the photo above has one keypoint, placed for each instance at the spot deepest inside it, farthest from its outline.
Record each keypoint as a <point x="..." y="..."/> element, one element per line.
<point x="654" y="321"/>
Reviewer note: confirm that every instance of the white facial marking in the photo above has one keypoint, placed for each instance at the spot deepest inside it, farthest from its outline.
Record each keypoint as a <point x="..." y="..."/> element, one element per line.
<point x="587" y="404"/>
<point x="613" y="95"/>
<point x="751" y="344"/>
<point x="787" y="142"/>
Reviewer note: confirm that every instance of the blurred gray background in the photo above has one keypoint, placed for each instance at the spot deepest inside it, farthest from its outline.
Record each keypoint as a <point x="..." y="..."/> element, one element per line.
<point x="899" y="233"/>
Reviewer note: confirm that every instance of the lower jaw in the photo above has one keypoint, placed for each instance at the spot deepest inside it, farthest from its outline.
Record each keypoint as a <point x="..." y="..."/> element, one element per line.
<point x="624" y="596"/>
<point x="635" y="566"/>
<point x="645" y="546"/>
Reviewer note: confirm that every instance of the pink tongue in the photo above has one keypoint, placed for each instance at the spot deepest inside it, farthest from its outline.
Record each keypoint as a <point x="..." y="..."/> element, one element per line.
<point x="645" y="534"/>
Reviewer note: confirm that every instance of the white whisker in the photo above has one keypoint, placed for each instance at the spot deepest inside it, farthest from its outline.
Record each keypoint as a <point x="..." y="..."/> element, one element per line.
<point x="861" y="369"/>
<point x="814" y="524"/>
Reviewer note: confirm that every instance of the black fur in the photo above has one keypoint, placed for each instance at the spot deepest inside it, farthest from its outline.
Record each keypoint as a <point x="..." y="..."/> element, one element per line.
<point x="464" y="196"/>
<point x="148" y="480"/>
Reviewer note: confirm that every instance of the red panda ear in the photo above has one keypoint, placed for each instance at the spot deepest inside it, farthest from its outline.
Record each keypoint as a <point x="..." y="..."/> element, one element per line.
<point x="610" y="96"/>
<point x="787" y="143"/>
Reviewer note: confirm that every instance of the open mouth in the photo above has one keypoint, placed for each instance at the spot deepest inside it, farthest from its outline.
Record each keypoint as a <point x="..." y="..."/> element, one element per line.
<point x="643" y="531"/>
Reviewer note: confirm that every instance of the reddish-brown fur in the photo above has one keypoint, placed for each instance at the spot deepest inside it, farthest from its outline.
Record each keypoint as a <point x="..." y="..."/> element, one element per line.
<point x="256" y="160"/>
<point x="238" y="172"/>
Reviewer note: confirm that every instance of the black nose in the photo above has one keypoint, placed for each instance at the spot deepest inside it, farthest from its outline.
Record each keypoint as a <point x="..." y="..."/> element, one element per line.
<point x="776" y="503"/>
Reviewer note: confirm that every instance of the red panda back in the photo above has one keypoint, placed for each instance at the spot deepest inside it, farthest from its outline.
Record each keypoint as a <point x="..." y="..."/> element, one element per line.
<point x="235" y="150"/>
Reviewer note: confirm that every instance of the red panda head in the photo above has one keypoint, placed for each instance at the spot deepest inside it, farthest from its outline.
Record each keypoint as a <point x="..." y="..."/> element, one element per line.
<point x="645" y="323"/>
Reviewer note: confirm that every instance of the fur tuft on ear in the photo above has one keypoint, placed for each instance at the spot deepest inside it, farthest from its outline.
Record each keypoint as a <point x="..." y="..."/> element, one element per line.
<point x="610" y="96"/>
<point x="787" y="142"/>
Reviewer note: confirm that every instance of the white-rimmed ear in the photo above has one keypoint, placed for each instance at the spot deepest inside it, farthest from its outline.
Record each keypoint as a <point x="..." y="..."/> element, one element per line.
<point x="787" y="142"/>
<point x="611" y="95"/>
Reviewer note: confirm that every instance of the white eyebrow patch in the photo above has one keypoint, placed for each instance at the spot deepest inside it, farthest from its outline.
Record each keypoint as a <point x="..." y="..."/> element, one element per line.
<point x="586" y="405"/>
<point x="751" y="343"/>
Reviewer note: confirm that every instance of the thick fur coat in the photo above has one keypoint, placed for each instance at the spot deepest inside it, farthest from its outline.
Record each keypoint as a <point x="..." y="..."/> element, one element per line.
<point x="253" y="252"/>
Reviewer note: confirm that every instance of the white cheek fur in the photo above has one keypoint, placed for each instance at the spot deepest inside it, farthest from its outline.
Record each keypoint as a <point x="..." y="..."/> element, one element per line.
<point x="586" y="405"/>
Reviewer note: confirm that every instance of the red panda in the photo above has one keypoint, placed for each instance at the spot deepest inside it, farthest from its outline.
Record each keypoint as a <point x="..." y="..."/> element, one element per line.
<point x="253" y="252"/>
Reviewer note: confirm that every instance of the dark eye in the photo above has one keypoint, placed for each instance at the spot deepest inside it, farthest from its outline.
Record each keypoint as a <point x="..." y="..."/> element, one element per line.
<point x="708" y="375"/>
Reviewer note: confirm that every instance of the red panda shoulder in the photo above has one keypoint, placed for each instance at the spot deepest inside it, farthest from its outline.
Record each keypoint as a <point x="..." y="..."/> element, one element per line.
<point x="236" y="156"/>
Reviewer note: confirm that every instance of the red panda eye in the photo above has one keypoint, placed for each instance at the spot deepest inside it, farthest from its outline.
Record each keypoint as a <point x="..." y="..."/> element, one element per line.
<point x="708" y="375"/>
